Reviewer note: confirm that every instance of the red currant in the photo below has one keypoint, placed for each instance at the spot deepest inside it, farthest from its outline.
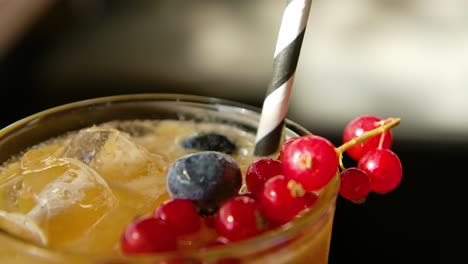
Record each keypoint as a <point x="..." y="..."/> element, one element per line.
<point x="148" y="235"/>
<point x="239" y="218"/>
<point x="219" y="241"/>
<point x="354" y="185"/>
<point x="250" y="194"/>
<point x="260" y="171"/>
<point x="209" y="221"/>
<point x="384" y="169"/>
<point x="310" y="160"/>
<point x="359" y="126"/>
<point x="284" y="146"/>
<point x="229" y="261"/>
<point x="282" y="199"/>
<point x="310" y="199"/>
<point x="179" y="261"/>
<point x="180" y="214"/>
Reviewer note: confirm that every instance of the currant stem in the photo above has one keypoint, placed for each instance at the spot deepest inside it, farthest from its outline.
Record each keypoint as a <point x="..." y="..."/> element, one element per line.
<point x="386" y="125"/>
<point x="340" y="160"/>
<point x="381" y="140"/>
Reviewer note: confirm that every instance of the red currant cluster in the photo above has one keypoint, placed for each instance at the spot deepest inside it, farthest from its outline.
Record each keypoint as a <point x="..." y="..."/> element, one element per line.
<point x="367" y="140"/>
<point x="278" y="190"/>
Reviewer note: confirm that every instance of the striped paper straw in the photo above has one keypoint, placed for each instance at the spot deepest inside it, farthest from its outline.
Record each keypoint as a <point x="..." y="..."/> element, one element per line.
<point x="275" y="105"/>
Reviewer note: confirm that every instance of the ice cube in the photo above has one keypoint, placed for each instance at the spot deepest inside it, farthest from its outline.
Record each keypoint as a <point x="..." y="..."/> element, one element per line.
<point x="86" y="144"/>
<point x="120" y="160"/>
<point x="54" y="200"/>
<point x="22" y="226"/>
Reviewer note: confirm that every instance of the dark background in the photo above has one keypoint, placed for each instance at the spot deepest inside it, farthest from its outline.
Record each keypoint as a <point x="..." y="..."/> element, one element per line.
<point x="412" y="224"/>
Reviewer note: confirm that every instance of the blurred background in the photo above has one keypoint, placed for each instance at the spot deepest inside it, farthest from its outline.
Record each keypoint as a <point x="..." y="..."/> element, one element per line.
<point x="404" y="58"/>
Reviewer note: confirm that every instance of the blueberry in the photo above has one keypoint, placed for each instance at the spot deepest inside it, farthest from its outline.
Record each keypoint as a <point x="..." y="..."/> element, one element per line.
<point x="210" y="141"/>
<point x="207" y="178"/>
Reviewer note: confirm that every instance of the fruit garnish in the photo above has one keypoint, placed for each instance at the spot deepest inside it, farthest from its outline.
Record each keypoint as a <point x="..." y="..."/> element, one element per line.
<point x="207" y="178"/>
<point x="148" y="235"/>
<point x="210" y="141"/>
<point x="281" y="199"/>
<point x="284" y="146"/>
<point x="354" y="184"/>
<point x="360" y="125"/>
<point x="180" y="214"/>
<point x="239" y="218"/>
<point x="376" y="160"/>
<point x="260" y="171"/>
<point x="384" y="169"/>
<point x="310" y="198"/>
<point x="278" y="190"/>
<point x="310" y="160"/>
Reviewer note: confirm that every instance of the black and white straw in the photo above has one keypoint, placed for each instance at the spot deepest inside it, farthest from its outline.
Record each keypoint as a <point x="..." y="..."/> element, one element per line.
<point x="288" y="47"/>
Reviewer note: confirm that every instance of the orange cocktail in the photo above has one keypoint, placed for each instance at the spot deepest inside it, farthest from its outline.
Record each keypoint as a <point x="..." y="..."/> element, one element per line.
<point x="74" y="176"/>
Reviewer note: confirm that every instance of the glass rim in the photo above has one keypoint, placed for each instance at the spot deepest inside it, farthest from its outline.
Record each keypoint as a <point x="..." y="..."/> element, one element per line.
<point x="278" y="235"/>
